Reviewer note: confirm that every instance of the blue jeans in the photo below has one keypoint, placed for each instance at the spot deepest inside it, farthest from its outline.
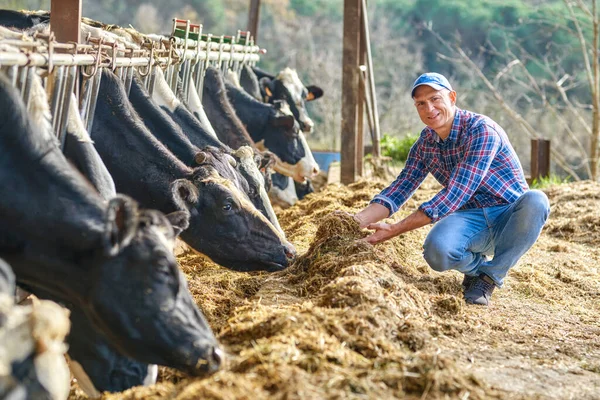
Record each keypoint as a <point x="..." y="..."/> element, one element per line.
<point x="466" y="239"/>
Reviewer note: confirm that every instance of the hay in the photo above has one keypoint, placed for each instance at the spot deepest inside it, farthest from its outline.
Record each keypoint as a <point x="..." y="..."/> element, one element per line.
<point x="352" y="320"/>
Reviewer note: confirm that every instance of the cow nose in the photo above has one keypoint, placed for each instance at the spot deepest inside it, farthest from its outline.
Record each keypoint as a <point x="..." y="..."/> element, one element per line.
<point x="306" y="127"/>
<point x="289" y="250"/>
<point x="217" y="358"/>
<point x="315" y="171"/>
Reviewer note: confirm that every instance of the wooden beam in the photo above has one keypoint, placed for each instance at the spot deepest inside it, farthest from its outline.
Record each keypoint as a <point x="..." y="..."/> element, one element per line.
<point x="350" y="71"/>
<point x="253" y="17"/>
<point x="360" y="109"/>
<point x="65" y="18"/>
<point x="370" y="79"/>
<point x="540" y="159"/>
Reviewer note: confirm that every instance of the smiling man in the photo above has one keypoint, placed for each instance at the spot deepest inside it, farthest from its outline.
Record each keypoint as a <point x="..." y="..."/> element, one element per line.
<point x="485" y="216"/>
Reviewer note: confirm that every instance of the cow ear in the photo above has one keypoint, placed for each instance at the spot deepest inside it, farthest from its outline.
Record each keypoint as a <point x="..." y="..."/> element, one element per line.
<point x="200" y="157"/>
<point x="265" y="88"/>
<point x="314" y="92"/>
<point x="285" y="121"/>
<point x="180" y="220"/>
<point x="184" y="194"/>
<point x="120" y="224"/>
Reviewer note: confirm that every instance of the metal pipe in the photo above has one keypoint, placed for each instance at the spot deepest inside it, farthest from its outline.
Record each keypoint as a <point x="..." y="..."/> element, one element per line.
<point x="93" y="99"/>
<point x="69" y="85"/>
<point x="56" y="80"/>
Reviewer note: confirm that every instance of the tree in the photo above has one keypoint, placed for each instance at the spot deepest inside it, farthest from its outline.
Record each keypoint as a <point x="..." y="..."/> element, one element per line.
<point x="559" y="88"/>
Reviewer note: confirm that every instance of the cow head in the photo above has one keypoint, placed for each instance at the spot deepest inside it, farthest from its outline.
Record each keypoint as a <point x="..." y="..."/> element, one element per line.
<point x="139" y="297"/>
<point x="282" y="135"/>
<point x="241" y="237"/>
<point x="288" y="87"/>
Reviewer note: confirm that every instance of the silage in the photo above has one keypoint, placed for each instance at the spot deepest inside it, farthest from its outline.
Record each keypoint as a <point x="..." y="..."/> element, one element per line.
<point x="346" y="320"/>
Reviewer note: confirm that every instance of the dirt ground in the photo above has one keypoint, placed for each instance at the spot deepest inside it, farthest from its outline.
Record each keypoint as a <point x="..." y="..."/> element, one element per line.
<point x="353" y="321"/>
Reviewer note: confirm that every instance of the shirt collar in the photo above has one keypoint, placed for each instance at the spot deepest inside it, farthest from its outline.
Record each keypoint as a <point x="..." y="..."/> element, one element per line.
<point x="432" y="136"/>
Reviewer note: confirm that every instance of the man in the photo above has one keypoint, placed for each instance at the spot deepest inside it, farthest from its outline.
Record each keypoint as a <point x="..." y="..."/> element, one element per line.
<point x="485" y="216"/>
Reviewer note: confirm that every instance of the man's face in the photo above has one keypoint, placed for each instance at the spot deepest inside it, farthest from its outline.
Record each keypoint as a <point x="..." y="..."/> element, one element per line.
<point x="436" y="108"/>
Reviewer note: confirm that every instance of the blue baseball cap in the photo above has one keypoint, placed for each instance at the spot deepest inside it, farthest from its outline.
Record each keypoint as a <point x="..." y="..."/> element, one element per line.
<point x="433" y="79"/>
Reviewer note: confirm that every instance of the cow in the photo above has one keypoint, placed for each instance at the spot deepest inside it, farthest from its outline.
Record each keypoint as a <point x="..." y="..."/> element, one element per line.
<point x="94" y="362"/>
<point x="20" y="20"/>
<point x="63" y="239"/>
<point x="32" y="361"/>
<point x="288" y="87"/>
<point x="224" y="225"/>
<point x="249" y="82"/>
<point x="81" y="152"/>
<point x="198" y="133"/>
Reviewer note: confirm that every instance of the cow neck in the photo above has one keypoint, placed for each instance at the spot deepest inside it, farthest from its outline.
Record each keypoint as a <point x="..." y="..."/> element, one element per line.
<point x="140" y="165"/>
<point x="49" y="199"/>
<point x="161" y="125"/>
<point x="254" y="114"/>
<point x="221" y="114"/>
<point x="198" y="131"/>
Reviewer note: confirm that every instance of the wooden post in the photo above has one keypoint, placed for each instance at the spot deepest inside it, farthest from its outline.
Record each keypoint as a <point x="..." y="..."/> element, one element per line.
<point x="540" y="159"/>
<point x="371" y="79"/>
<point x="65" y="18"/>
<point x="253" y="17"/>
<point x="350" y="71"/>
<point x="360" y="107"/>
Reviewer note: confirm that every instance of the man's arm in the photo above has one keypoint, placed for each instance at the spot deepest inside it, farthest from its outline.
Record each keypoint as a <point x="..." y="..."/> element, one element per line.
<point x="374" y="212"/>
<point x="384" y="231"/>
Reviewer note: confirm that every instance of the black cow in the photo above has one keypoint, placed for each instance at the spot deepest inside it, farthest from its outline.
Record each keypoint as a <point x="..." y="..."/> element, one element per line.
<point x="63" y="239"/>
<point x="81" y="152"/>
<point x="20" y="20"/>
<point x="249" y="82"/>
<point x="244" y="173"/>
<point x="288" y="87"/>
<point x="224" y="225"/>
<point x="268" y="124"/>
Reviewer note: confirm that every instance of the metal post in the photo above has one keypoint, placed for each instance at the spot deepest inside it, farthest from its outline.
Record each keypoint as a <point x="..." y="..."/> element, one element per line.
<point x="350" y="71"/>
<point x="65" y="17"/>
<point x="253" y="17"/>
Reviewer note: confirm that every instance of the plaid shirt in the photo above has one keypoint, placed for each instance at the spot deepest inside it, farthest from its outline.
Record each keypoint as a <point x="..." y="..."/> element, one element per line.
<point x="476" y="164"/>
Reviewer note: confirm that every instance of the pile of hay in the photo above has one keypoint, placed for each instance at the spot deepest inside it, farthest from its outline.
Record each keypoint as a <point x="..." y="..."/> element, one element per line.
<point x="351" y="320"/>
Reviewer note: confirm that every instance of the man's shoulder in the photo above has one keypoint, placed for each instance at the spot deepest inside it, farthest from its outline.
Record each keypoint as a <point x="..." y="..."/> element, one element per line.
<point x="472" y="121"/>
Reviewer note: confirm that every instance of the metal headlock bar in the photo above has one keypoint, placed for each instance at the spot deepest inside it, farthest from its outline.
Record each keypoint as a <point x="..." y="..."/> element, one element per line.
<point x="183" y="57"/>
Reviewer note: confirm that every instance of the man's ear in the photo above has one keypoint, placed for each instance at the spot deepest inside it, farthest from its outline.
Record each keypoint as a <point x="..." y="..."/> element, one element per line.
<point x="453" y="97"/>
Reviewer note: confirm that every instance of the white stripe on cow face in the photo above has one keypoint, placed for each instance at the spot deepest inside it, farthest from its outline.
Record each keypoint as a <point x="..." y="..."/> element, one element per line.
<point x="246" y="156"/>
<point x="163" y="95"/>
<point x="244" y="202"/>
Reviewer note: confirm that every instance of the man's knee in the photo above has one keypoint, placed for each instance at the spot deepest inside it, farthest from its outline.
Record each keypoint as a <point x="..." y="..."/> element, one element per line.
<point x="535" y="203"/>
<point x="439" y="255"/>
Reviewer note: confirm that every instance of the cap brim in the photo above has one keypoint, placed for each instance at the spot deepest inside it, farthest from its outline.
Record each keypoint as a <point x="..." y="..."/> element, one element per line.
<point x="433" y="85"/>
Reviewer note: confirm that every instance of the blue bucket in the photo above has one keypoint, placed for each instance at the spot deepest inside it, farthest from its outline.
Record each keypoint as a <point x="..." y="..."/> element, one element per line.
<point x="325" y="158"/>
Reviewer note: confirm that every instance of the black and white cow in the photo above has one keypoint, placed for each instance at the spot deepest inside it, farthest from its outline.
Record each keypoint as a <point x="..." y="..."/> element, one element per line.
<point x="288" y="87"/>
<point x="20" y="20"/>
<point x="63" y="239"/>
<point x="198" y="132"/>
<point x="224" y="225"/>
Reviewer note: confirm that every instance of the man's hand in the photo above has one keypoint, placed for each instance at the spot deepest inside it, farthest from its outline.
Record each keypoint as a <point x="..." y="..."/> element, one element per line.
<point x="383" y="232"/>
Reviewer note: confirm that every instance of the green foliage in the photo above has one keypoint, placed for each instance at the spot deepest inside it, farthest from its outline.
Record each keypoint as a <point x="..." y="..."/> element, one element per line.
<point x="548" y="181"/>
<point x="397" y="148"/>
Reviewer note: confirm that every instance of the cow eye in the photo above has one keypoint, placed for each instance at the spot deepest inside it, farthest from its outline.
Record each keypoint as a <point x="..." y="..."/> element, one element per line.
<point x="227" y="207"/>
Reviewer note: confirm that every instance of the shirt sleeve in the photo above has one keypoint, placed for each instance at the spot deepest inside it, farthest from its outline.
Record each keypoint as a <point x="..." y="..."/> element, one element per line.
<point x="482" y="145"/>
<point x="411" y="177"/>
